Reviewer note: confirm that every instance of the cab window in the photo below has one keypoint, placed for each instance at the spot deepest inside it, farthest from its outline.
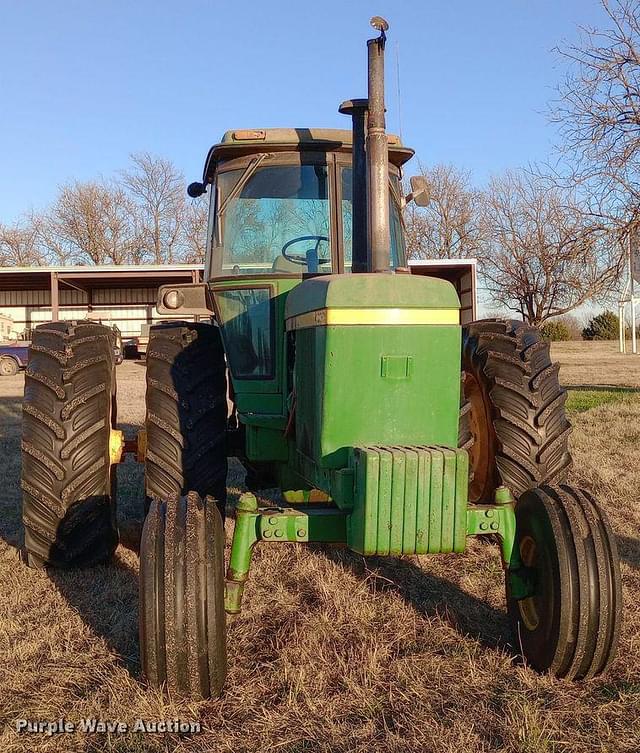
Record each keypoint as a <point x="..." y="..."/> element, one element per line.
<point x="276" y="221"/>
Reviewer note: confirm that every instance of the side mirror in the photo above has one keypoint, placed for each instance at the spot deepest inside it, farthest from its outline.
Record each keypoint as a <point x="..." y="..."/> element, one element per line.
<point x="195" y="190"/>
<point x="420" y="191"/>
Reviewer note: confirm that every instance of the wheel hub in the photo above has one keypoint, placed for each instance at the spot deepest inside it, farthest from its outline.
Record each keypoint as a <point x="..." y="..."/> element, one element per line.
<point x="528" y="608"/>
<point x="116" y="446"/>
<point x="479" y="452"/>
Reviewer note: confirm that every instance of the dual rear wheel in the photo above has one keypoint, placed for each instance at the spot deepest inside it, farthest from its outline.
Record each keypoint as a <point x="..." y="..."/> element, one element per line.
<point x="68" y="481"/>
<point x="515" y="417"/>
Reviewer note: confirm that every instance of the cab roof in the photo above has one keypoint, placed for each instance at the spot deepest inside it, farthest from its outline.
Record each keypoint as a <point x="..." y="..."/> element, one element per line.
<point x="237" y="143"/>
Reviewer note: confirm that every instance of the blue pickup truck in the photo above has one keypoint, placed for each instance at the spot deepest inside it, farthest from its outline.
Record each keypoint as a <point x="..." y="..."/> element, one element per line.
<point x="13" y="356"/>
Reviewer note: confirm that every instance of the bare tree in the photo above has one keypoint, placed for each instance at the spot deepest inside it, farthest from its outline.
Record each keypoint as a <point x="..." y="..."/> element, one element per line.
<point x="157" y="188"/>
<point x="19" y="245"/>
<point x="195" y="231"/>
<point x="543" y="256"/>
<point x="449" y="227"/>
<point x="598" y="112"/>
<point x="91" y="223"/>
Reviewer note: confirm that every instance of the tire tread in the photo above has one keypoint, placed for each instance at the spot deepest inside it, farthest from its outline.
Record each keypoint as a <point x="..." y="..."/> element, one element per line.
<point x="68" y="510"/>
<point x="527" y="402"/>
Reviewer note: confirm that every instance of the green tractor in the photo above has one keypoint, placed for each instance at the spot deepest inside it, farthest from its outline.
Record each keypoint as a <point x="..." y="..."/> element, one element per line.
<point x="336" y="376"/>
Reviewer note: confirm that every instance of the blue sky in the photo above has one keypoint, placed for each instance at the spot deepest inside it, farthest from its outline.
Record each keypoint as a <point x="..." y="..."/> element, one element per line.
<point x="84" y="84"/>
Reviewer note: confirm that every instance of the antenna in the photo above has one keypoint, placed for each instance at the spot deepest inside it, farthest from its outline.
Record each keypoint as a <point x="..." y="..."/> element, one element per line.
<point x="398" y="90"/>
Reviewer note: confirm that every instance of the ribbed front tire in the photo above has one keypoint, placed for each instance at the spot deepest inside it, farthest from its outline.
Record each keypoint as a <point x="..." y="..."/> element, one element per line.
<point x="182" y="618"/>
<point x="570" y="624"/>
<point x="68" y="483"/>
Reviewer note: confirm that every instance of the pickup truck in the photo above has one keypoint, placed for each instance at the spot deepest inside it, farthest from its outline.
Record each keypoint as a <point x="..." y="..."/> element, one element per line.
<point x="13" y="356"/>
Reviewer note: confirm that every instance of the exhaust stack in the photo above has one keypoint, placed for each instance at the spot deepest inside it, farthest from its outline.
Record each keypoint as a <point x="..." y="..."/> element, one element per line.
<point x="377" y="154"/>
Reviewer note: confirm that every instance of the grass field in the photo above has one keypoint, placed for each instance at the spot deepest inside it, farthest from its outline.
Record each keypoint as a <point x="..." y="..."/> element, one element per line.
<point x="332" y="652"/>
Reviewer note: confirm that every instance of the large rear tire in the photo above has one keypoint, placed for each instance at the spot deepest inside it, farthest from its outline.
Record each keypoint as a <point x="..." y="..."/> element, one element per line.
<point x="519" y="429"/>
<point x="182" y="618"/>
<point x="186" y="412"/>
<point x="68" y="482"/>
<point x="570" y="624"/>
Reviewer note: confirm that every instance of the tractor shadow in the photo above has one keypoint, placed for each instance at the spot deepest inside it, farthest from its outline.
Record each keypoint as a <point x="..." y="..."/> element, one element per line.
<point x="106" y="596"/>
<point x="629" y="550"/>
<point x="106" y="599"/>
<point x="430" y="595"/>
<point x="11" y="495"/>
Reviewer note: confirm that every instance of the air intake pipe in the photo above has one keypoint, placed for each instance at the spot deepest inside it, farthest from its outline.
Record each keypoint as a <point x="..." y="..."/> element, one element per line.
<point x="357" y="108"/>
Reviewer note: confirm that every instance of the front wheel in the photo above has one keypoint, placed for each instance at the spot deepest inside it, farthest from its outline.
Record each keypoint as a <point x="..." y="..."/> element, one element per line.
<point x="570" y="622"/>
<point x="182" y="618"/>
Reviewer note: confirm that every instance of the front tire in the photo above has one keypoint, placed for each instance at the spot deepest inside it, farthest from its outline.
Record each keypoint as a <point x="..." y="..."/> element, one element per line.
<point x="182" y="618"/>
<point x="68" y="481"/>
<point x="570" y="624"/>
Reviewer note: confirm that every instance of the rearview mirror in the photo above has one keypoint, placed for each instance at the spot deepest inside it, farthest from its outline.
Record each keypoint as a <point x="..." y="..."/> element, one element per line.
<point x="420" y="191"/>
<point x="195" y="190"/>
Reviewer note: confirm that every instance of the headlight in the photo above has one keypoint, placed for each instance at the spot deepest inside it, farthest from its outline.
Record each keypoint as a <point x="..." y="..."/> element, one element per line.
<point x="173" y="299"/>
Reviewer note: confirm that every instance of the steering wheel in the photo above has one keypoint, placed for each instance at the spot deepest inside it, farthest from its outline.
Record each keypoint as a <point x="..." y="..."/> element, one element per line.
<point x="304" y="260"/>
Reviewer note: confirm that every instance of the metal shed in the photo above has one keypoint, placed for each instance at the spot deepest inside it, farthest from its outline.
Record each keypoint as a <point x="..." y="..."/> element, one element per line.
<point x="126" y="295"/>
<point x="122" y="295"/>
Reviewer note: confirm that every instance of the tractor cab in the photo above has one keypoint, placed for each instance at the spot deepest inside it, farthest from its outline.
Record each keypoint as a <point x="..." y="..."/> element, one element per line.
<point x="284" y="207"/>
<point x="281" y="202"/>
<point x="307" y="280"/>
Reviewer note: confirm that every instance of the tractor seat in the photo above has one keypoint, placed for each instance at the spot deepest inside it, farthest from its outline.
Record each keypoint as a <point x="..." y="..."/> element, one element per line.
<point x="280" y="264"/>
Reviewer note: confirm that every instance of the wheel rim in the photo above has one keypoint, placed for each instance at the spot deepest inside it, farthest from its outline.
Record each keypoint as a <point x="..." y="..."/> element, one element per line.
<point x="5" y="368"/>
<point x="528" y="607"/>
<point x="480" y="455"/>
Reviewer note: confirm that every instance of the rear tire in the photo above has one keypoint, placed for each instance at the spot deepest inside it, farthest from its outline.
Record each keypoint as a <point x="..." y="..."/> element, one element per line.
<point x="182" y="618"/>
<point x="186" y="412"/>
<point x="571" y="623"/>
<point x="68" y="482"/>
<point x="517" y="418"/>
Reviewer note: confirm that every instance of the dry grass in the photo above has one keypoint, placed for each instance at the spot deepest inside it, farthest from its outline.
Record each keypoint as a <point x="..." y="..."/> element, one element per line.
<point x="332" y="653"/>
<point x="596" y="363"/>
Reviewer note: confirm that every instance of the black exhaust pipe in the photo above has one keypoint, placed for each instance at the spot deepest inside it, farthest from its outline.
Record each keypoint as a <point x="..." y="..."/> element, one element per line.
<point x="377" y="154"/>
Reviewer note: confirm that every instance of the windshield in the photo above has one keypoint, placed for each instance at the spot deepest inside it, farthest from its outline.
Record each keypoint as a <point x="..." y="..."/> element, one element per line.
<point x="276" y="220"/>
